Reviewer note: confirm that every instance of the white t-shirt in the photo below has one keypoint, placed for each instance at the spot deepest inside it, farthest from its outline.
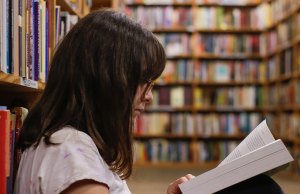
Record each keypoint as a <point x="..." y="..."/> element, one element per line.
<point x="51" y="169"/>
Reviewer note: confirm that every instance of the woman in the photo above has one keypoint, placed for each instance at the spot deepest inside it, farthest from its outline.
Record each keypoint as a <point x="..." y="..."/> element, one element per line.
<point x="78" y="136"/>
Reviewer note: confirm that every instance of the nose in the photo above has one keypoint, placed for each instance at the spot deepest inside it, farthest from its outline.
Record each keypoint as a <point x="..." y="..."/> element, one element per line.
<point x="149" y="97"/>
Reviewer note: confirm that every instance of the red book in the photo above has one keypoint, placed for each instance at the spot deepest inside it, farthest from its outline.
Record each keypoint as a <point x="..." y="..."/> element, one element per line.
<point x="4" y="149"/>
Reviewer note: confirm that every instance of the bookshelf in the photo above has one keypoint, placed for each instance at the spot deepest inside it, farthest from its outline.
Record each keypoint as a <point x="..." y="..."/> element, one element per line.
<point x="29" y="32"/>
<point x="13" y="80"/>
<point x="230" y="64"/>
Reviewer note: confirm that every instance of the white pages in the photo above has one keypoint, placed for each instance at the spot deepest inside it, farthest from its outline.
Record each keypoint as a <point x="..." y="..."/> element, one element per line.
<point x="259" y="152"/>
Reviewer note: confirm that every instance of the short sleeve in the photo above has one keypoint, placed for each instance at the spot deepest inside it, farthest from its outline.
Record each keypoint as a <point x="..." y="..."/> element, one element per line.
<point x="76" y="158"/>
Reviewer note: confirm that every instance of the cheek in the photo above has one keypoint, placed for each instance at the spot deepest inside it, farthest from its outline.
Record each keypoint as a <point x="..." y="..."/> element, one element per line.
<point x="137" y="97"/>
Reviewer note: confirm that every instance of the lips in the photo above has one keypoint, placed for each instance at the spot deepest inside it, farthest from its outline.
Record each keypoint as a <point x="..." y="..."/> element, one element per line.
<point x="139" y="110"/>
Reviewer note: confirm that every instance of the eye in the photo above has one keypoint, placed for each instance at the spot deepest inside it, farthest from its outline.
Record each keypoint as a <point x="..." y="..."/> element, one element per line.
<point x="148" y="87"/>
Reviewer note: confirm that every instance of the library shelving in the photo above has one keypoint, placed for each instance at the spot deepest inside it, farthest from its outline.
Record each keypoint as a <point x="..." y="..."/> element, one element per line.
<point x="230" y="64"/>
<point x="29" y="32"/>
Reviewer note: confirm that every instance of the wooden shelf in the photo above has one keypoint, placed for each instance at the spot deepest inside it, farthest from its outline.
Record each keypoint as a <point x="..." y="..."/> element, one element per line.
<point x="189" y="137"/>
<point x="13" y="83"/>
<point x="66" y="6"/>
<point x="209" y="83"/>
<point x="240" y="56"/>
<point x="189" y="4"/>
<point x="207" y="109"/>
<point x="206" y="31"/>
<point x="230" y="31"/>
<point x="176" y="83"/>
<point x="229" y="83"/>
<point x="242" y="5"/>
<point x="228" y="109"/>
<point x="168" y="108"/>
<point x="210" y="56"/>
<point x="184" y="56"/>
<point x="175" y="4"/>
<point x="172" y="30"/>
<point x="183" y="165"/>
<point x="163" y="136"/>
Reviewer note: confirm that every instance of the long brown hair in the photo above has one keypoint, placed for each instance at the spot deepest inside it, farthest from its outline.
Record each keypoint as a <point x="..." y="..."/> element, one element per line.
<point x="93" y="79"/>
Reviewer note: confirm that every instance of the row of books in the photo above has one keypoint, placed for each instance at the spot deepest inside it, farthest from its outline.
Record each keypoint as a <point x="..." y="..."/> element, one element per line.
<point x="226" y="71"/>
<point x="260" y="17"/>
<point x="207" y="97"/>
<point x="223" y="18"/>
<point x="214" y="71"/>
<point x="218" y="71"/>
<point x="230" y="97"/>
<point x="170" y="17"/>
<point x="162" y="17"/>
<point x="226" y="44"/>
<point x="162" y="2"/>
<point x="286" y="62"/>
<point x="161" y="150"/>
<point x="10" y="123"/>
<point x="177" y="71"/>
<point x="228" y="2"/>
<point x="177" y="96"/>
<point x="270" y="95"/>
<point x="64" y="21"/>
<point x="275" y="10"/>
<point x="280" y="65"/>
<point x="205" y="125"/>
<point x="288" y="93"/>
<point x="218" y="44"/>
<point x="24" y="35"/>
<point x="24" y="38"/>
<point x="272" y="69"/>
<point x="212" y="151"/>
<point x="280" y="36"/>
<point x="212" y="17"/>
<point x="274" y="95"/>
<point x="289" y="125"/>
<point x="175" y="44"/>
<point x="199" y="2"/>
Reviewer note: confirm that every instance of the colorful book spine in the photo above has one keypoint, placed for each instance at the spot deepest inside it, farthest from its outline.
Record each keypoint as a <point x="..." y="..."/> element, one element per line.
<point x="36" y="39"/>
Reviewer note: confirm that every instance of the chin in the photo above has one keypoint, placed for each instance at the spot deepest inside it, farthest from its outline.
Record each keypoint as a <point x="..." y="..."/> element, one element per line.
<point x="136" y="114"/>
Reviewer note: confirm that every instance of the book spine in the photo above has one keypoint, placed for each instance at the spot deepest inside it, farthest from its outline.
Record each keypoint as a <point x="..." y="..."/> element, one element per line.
<point x="10" y="38"/>
<point x="15" y="38"/>
<point x="36" y="38"/>
<point x="23" y="41"/>
<point x="4" y="35"/>
<point x="3" y="145"/>
<point x="47" y="45"/>
<point x="20" y="37"/>
<point x="28" y="37"/>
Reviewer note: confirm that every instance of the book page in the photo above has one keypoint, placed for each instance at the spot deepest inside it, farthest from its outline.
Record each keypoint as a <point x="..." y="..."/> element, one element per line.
<point x="259" y="137"/>
<point x="261" y="160"/>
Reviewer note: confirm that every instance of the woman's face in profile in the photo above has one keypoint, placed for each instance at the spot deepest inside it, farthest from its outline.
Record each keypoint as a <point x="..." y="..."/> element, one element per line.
<point x="142" y="97"/>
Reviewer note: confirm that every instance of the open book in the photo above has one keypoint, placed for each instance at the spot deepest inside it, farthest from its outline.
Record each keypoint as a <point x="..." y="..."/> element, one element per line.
<point x="258" y="153"/>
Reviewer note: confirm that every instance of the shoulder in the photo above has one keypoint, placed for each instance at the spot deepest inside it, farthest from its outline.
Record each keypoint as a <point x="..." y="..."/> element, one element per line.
<point x="70" y="134"/>
<point x="70" y="138"/>
<point x="74" y="158"/>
